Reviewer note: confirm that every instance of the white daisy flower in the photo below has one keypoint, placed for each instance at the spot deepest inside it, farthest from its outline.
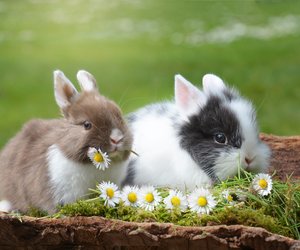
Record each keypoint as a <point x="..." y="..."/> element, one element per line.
<point x="262" y="184"/>
<point x="100" y="159"/>
<point x="201" y="201"/>
<point x="241" y="195"/>
<point x="130" y="196"/>
<point x="110" y="193"/>
<point x="149" y="198"/>
<point x="176" y="200"/>
<point x="229" y="197"/>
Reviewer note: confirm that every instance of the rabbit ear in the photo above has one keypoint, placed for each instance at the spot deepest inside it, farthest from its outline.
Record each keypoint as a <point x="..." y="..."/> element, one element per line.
<point x="188" y="98"/>
<point x="212" y="84"/>
<point x="86" y="81"/>
<point x="64" y="90"/>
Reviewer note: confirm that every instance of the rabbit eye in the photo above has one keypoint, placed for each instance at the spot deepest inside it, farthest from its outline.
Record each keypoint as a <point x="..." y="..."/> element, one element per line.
<point x="220" y="138"/>
<point x="87" y="125"/>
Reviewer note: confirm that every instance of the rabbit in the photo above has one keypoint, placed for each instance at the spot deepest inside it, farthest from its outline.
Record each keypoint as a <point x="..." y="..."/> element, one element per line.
<point x="201" y="137"/>
<point x="46" y="163"/>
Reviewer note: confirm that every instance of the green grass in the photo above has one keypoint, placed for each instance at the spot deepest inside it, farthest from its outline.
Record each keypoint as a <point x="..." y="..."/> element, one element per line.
<point x="278" y="212"/>
<point x="134" y="48"/>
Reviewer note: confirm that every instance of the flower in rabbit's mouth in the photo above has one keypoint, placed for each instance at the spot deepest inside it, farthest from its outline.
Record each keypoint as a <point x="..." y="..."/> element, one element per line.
<point x="109" y="193"/>
<point x="99" y="159"/>
<point x="262" y="184"/>
<point x="176" y="200"/>
<point x="201" y="201"/>
<point x="149" y="198"/>
<point x="130" y="196"/>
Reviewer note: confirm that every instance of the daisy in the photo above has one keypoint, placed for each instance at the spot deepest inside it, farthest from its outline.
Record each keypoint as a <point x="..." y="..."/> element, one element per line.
<point x="228" y="196"/>
<point x="130" y="196"/>
<point x="241" y="195"/>
<point x="109" y="193"/>
<point x="201" y="201"/>
<point x="176" y="200"/>
<point x="100" y="159"/>
<point x="149" y="198"/>
<point x="262" y="184"/>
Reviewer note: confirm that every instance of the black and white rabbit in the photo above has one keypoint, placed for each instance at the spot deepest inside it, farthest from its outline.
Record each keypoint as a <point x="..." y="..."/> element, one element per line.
<point x="199" y="138"/>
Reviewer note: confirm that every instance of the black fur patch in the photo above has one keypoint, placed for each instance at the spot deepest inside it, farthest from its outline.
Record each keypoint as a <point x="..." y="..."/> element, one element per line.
<point x="197" y="135"/>
<point x="229" y="95"/>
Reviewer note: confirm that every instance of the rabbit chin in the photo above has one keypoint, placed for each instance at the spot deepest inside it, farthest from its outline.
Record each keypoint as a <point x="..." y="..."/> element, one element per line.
<point x="119" y="156"/>
<point x="228" y="163"/>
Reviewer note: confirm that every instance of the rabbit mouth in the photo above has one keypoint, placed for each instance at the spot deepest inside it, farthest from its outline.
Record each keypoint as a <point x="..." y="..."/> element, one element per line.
<point x="119" y="155"/>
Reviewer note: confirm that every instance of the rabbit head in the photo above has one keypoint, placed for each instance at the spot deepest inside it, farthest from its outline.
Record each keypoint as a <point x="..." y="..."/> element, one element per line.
<point x="219" y="128"/>
<point x="94" y="120"/>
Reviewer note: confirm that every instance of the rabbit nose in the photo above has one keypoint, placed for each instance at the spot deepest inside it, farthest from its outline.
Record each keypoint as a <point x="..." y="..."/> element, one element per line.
<point x="116" y="136"/>
<point x="114" y="141"/>
<point x="248" y="161"/>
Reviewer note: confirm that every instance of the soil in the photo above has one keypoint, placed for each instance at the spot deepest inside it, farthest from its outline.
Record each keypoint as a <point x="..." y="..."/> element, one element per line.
<point x="100" y="233"/>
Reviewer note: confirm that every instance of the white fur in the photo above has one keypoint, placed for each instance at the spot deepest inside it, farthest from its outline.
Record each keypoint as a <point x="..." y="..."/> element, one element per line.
<point x="251" y="148"/>
<point x="161" y="161"/>
<point x="227" y="164"/>
<point x="212" y="85"/>
<point x="5" y="206"/>
<point x="86" y="80"/>
<point x="71" y="181"/>
<point x="116" y="135"/>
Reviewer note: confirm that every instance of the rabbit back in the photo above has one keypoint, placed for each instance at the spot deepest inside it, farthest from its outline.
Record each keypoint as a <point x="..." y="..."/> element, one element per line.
<point x="161" y="161"/>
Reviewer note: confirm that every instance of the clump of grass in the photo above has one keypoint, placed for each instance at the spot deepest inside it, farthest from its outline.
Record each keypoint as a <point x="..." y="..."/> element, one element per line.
<point x="282" y="204"/>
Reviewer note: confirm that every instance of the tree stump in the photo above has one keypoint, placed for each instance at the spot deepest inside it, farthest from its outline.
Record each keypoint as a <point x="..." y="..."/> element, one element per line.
<point x="285" y="155"/>
<point x="101" y="233"/>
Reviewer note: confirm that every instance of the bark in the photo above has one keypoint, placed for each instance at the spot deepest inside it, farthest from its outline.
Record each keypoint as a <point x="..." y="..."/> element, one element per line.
<point x="285" y="158"/>
<point x="101" y="233"/>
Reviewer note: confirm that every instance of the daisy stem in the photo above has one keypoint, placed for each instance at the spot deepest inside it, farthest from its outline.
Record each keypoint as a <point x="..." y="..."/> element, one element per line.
<point x="239" y="168"/>
<point x="93" y="199"/>
<point x="132" y="151"/>
<point x="97" y="191"/>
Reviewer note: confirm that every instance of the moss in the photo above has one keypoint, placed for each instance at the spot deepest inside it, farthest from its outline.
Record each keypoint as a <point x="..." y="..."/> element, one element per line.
<point x="279" y="212"/>
<point x="84" y="208"/>
<point x="35" y="212"/>
<point x="250" y="217"/>
<point x="227" y="215"/>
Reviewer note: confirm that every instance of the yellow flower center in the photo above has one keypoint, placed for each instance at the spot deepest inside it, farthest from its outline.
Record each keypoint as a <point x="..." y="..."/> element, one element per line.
<point x="263" y="183"/>
<point x="110" y="192"/>
<point x="132" y="197"/>
<point x="149" y="197"/>
<point x="229" y="198"/>
<point x="175" y="201"/>
<point x="202" y="201"/>
<point x="98" y="157"/>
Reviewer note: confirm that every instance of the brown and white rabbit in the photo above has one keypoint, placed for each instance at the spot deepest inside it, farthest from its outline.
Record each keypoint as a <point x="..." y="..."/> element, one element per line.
<point x="47" y="164"/>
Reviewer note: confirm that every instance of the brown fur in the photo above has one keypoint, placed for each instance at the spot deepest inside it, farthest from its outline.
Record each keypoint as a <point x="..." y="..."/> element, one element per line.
<point x="24" y="179"/>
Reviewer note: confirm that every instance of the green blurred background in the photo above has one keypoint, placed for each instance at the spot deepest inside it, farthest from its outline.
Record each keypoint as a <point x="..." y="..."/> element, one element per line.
<point x="134" y="48"/>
